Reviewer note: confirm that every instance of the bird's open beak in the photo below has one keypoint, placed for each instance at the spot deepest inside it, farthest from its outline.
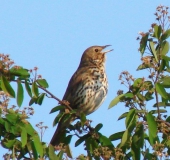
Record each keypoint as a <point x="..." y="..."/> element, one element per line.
<point x="106" y="50"/>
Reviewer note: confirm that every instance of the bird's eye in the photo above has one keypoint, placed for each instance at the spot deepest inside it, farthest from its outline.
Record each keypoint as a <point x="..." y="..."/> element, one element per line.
<point x="96" y="50"/>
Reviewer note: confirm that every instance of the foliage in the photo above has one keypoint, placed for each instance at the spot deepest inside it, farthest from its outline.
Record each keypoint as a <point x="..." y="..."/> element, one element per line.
<point x="147" y="98"/>
<point x="148" y="127"/>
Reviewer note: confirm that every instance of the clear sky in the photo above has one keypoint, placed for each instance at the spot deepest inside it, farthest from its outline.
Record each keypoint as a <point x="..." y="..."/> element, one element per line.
<point x="52" y="35"/>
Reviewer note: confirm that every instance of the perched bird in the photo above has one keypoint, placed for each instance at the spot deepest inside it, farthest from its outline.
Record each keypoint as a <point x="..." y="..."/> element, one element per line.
<point x="87" y="87"/>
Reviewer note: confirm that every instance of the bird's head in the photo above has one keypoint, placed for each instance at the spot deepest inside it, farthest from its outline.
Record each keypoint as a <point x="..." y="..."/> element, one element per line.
<point x="94" y="55"/>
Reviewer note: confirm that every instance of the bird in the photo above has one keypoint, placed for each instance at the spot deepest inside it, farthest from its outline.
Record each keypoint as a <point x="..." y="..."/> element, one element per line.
<point x="87" y="87"/>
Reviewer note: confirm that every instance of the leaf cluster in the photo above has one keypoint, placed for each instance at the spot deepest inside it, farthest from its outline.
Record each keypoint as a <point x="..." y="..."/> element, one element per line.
<point x="147" y="122"/>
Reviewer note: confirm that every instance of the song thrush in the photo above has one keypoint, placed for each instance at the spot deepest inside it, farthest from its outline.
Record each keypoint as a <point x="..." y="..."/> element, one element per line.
<point x="87" y="88"/>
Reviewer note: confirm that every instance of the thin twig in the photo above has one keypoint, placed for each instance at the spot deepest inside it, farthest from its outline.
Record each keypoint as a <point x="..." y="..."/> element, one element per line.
<point x="52" y="95"/>
<point x="65" y="103"/>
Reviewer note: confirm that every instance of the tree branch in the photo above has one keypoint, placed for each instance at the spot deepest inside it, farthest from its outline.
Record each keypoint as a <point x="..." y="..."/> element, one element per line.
<point x="62" y="102"/>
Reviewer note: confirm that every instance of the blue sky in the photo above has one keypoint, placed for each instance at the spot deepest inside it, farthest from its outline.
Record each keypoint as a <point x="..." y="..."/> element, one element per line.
<point x="52" y="35"/>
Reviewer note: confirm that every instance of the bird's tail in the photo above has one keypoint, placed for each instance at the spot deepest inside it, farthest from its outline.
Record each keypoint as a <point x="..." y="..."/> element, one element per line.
<point x="59" y="137"/>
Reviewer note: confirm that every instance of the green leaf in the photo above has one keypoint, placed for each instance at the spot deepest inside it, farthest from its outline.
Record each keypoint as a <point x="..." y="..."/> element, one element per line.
<point x="11" y="111"/>
<point x="30" y="130"/>
<point x="160" y="111"/>
<point x="33" y="100"/>
<point x="148" y="96"/>
<point x="21" y="72"/>
<point x="81" y="139"/>
<point x="152" y="127"/>
<point x="43" y="83"/>
<point x="157" y="31"/>
<point x="162" y="66"/>
<point x="52" y="154"/>
<point x="41" y="98"/>
<point x="33" y="150"/>
<point x="148" y="85"/>
<point x="167" y="65"/>
<point x="12" y="118"/>
<point x="105" y="141"/>
<point x="138" y="82"/>
<point x="143" y="43"/>
<point x="20" y="94"/>
<point x="98" y="127"/>
<point x="128" y="95"/>
<point x="137" y="141"/>
<point x="57" y="108"/>
<point x="2" y="121"/>
<point x="151" y="44"/>
<point x="83" y="118"/>
<point x="23" y="137"/>
<point x="38" y="145"/>
<point x="123" y="116"/>
<point x="67" y="151"/>
<point x="131" y="120"/>
<point x="28" y="88"/>
<point x="166" y="58"/>
<point x="165" y="81"/>
<point x="143" y="66"/>
<point x="125" y="138"/>
<point x="164" y="48"/>
<point x="91" y="145"/>
<point x="15" y="130"/>
<point x="73" y="111"/>
<point x="56" y="120"/>
<point x="168" y="119"/>
<point x="116" y="136"/>
<point x="138" y="137"/>
<point x="140" y="97"/>
<point x="35" y="89"/>
<point x="6" y="87"/>
<point x="67" y="139"/>
<point x="161" y="90"/>
<point x="67" y="118"/>
<point x="7" y="126"/>
<point x="167" y="142"/>
<point x="115" y="101"/>
<point x="60" y="155"/>
<point x="9" y="144"/>
<point x="165" y="35"/>
<point x="161" y="104"/>
<point x="136" y="153"/>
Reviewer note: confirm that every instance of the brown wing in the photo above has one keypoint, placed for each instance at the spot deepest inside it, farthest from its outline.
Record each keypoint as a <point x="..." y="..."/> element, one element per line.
<point x="77" y="81"/>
